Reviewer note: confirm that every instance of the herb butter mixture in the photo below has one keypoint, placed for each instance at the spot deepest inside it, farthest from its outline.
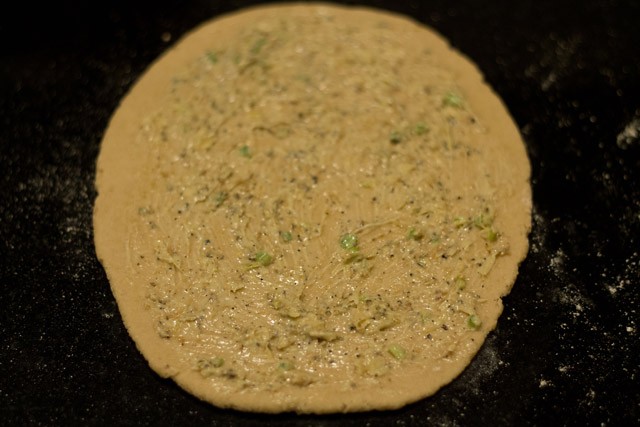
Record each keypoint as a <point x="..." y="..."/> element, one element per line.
<point x="311" y="208"/>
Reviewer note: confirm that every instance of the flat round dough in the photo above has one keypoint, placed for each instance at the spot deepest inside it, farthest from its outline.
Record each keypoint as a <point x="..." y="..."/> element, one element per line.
<point x="311" y="208"/>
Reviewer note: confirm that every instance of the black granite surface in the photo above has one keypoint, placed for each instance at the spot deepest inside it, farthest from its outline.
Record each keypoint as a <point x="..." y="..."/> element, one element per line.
<point x="566" y="350"/>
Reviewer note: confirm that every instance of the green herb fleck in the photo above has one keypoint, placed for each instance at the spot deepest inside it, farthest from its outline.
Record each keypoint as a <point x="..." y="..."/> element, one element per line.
<point x="452" y="99"/>
<point x="220" y="197"/>
<point x="245" y="151"/>
<point x="260" y="259"/>
<point x="397" y="351"/>
<point x="365" y="298"/>
<point x="459" y="221"/>
<point x="217" y="362"/>
<point x="483" y="221"/>
<point x="285" y="365"/>
<point x="420" y="129"/>
<point x="490" y="235"/>
<point x="305" y="78"/>
<point x="205" y="364"/>
<point x="349" y="241"/>
<point x="258" y="45"/>
<point x="415" y="234"/>
<point x="395" y="137"/>
<point x="263" y="258"/>
<point x="474" y="322"/>
<point x="212" y="57"/>
<point x="286" y="236"/>
<point x="460" y="282"/>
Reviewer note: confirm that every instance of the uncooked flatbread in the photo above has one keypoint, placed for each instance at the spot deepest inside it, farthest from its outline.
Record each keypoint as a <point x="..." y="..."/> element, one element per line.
<point x="311" y="208"/>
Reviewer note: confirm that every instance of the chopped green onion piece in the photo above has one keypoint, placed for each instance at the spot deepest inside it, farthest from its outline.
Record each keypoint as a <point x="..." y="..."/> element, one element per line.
<point x="212" y="57"/>
<point x="452" y="100"/>
<point x="397" y="351"/>
<point x="263" y="258"/>
<point x="395" y="137"/>
<point x="349" y="241"/>
<point x="474" y="322"/>
<point x="490" y="235"/>
<point x="460" y="282"/>
<point x="415" y="234"/>
<point x="245" y="152"/>
<point x="421" y="129"/>
<point x="286" y="236"/>
<point x="260" y="259"/>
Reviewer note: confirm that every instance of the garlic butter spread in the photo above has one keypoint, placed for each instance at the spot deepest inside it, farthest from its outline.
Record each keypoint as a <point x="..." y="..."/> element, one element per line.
<point x="311" y="208"/>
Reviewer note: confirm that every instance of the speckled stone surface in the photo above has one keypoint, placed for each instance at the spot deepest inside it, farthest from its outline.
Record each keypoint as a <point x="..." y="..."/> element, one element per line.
<point x="566" y="348"/>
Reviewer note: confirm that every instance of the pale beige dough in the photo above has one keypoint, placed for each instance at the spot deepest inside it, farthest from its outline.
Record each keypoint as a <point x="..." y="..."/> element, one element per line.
<point x="311" y="208"/>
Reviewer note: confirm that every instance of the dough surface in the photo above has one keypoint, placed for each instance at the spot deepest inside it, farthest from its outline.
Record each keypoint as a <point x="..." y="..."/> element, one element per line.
<point x="311" y="208"/>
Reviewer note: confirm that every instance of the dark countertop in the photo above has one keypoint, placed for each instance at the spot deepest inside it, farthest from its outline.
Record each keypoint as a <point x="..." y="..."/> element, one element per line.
<point x="566" y="348"/>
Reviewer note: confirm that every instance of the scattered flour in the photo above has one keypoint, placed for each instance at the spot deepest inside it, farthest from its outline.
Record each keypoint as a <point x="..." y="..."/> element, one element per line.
<point x="629" y="135"/>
